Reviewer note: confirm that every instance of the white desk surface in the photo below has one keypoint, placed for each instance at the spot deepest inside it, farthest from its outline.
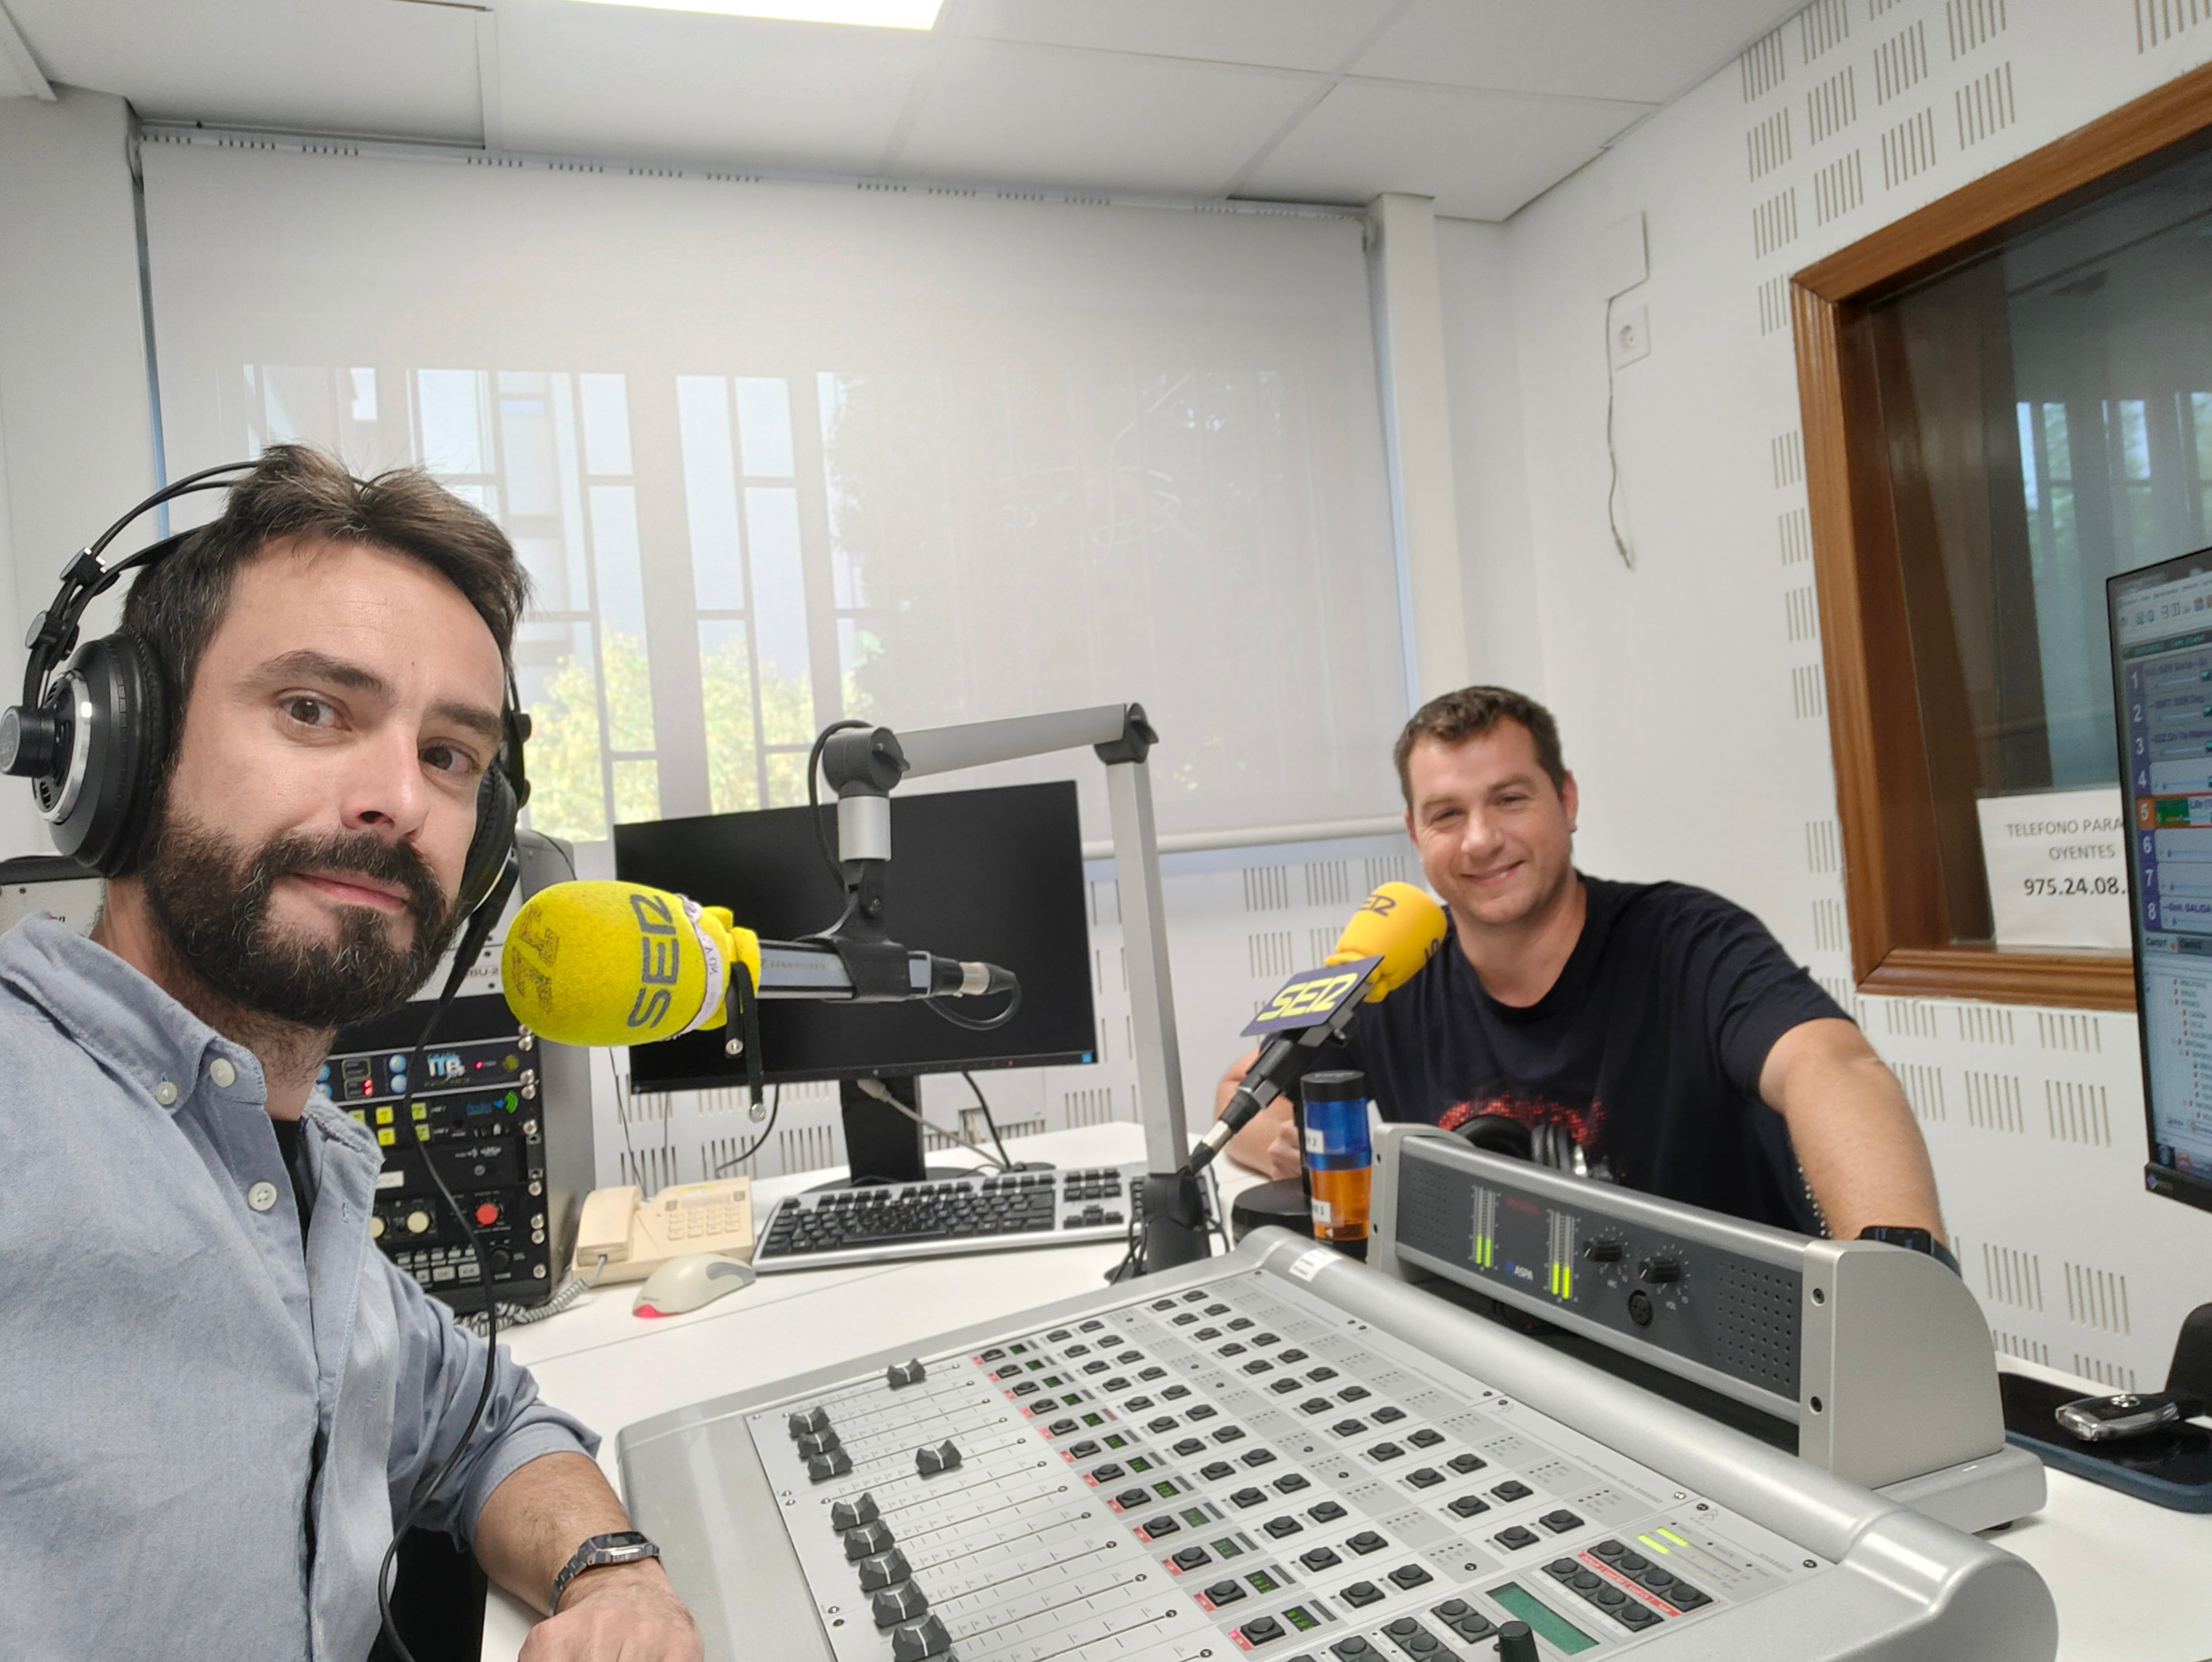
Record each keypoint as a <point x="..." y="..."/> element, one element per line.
<point x="2129" y="1578"/>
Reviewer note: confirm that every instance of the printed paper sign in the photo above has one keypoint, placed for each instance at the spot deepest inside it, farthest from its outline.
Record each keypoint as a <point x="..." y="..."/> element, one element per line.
<point x="2056" y="861"/>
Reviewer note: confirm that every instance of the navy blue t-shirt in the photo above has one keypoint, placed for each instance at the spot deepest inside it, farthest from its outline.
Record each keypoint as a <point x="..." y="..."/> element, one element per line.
<point x="1648" y="1048"/>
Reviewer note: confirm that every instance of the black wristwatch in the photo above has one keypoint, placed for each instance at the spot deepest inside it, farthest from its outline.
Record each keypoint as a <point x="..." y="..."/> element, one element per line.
<point x="624" y="1546"/>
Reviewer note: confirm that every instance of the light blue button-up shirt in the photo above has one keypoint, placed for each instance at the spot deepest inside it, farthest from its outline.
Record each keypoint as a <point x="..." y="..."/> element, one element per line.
<point x="207" y="1435"/>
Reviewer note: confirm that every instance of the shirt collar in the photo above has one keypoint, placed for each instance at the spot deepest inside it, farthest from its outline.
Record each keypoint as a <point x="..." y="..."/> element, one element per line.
<point x="121" y="1017"/>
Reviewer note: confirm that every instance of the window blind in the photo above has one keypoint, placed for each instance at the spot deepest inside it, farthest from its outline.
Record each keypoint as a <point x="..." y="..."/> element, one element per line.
<point x="779" y="453"/>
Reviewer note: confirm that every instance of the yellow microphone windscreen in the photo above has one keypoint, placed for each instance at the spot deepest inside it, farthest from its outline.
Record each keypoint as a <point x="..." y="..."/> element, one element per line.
<point x="1397" y="923"/>
<point x="600" y="963"/>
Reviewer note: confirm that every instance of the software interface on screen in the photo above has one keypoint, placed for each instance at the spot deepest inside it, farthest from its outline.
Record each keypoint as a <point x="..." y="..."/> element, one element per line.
<point x="2162" y="656"/>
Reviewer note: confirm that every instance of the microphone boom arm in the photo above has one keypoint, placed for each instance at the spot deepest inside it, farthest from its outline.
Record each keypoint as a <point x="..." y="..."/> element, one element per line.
<point x="863" y="765"/>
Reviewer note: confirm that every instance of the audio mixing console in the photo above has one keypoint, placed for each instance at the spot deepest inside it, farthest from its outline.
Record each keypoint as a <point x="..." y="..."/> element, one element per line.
<point x="1286" y="1454"/>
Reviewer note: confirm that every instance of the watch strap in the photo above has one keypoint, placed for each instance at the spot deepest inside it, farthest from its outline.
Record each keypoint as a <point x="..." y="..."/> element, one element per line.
<point x="627" y="1546"/>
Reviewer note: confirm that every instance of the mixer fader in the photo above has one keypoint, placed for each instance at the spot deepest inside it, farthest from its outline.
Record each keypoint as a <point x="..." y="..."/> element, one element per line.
<point x="1277" y="1455"/>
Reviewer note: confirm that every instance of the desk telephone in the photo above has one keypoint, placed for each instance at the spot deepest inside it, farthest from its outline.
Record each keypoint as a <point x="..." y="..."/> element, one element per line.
<point x="638" y="1237"/>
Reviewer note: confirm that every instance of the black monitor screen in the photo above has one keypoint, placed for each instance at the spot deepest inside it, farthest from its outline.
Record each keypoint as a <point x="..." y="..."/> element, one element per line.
<point x="991" y="874"/>
<point x="2161" y="620"/>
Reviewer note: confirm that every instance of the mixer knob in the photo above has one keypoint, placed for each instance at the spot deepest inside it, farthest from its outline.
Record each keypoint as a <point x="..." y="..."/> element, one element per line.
<point x="1662" y="1268"/>
<point x="931" y="1461"/>
<point x="1602" y="1251"/>
<point x="900" y="1604"/>
<point x="806" y="1420"/>
<point x="418" y="1222"/>
<point x="868" y="1540"/>
<point x="905" y="1374"/>
<point x="376" y="1229"/>
<point x="823" y="1467"/>
<point x="818" y="1442"/>
<point x="917" y="1641"/>
<point x="851" y="1514"/>
<point x="885" y="1569"/>
<point x="1516" y="1643"/>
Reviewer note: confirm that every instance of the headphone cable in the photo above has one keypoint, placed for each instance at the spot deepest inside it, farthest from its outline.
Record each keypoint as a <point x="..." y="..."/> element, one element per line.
<point x="472" y="941"/>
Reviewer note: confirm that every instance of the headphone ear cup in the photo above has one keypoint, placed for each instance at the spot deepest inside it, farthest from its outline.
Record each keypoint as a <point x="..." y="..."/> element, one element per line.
<point x="494" y="840"/>
<point x="123" y="711"/>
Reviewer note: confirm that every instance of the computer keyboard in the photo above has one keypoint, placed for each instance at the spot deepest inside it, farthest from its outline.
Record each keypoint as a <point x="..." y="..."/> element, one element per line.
<point x="990" y="1212"/>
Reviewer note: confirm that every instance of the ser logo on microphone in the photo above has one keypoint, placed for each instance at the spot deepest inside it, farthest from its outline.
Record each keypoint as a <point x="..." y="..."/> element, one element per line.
<point x="660" y="952"/>
<point x="1311" y="996"/>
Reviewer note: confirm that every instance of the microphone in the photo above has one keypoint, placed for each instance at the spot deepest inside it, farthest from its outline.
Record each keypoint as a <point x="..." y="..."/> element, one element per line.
<point x="1393" y="935"/>
<point x="596" y="963"/>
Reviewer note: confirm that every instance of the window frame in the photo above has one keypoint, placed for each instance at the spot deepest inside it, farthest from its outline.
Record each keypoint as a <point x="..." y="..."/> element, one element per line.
<point x="1901" y="934"/>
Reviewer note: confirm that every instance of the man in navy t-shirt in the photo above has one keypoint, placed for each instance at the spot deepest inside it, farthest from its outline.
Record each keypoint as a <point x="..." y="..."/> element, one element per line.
<point x="1659" y="1025"/>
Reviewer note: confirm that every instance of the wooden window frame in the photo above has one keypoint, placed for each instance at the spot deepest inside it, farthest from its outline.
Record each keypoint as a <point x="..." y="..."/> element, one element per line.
<point x="1900" y="942"/>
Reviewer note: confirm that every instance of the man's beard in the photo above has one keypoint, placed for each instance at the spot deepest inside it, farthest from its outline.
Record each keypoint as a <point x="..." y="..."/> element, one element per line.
<point x="210" y="900"/>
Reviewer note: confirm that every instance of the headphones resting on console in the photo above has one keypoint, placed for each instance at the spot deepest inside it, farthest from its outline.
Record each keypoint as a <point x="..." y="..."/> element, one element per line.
<point x="94" y="736"/>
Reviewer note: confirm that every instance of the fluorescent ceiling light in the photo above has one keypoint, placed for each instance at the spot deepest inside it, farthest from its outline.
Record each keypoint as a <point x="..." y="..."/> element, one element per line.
<point x="872" y="14"/>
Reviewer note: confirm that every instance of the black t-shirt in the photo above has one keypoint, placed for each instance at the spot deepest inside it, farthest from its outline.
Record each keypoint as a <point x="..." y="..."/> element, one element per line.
<point x="1648" y="1048"/>
<point x="295" y="1167"/>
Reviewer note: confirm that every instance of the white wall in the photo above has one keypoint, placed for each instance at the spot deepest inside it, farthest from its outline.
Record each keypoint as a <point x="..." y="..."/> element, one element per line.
<point x="1691" y="704"/>
<point x="76" y="432"/>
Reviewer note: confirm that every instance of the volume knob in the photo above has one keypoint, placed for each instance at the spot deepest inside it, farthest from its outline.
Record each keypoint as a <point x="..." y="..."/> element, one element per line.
<point x="1662" y="1268"/>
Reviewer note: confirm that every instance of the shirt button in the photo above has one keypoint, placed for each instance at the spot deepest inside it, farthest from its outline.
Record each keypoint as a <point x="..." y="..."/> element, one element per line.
<point x="222" y="1072"/>
<point x="261" y="1196"/>
<point x="165" y="1092"/>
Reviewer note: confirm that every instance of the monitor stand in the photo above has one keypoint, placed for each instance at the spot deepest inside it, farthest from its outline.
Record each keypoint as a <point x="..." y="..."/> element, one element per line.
<point x="882" y="1145"/>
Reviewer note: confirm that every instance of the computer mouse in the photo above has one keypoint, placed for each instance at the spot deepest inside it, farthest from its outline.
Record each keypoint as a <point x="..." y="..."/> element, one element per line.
<point x="686" y="1283"/>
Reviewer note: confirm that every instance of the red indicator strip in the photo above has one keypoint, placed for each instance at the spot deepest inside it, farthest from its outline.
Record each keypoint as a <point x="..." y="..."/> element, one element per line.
<point x="1635" y="1588"/>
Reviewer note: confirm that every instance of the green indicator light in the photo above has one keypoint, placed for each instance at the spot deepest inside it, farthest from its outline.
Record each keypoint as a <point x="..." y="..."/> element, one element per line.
<point x="1262" y="1581"/>
<point x="1196" y="1518"/>
<point x="1301" y="1618"/>
<point x="1675" y="1538"/>
<point x="1226" y="1548"/>
<point x="1548" y="1622"/>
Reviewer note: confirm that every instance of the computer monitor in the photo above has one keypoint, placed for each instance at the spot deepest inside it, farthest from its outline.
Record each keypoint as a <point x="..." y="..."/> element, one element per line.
<point x="995" y="875"/>
<point x="2161" y="635"/>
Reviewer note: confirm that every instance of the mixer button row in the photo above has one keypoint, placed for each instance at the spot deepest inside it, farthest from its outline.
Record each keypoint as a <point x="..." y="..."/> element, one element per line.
<point x="1416" y="1640"/>
<point x="1463" y="1619"/>
<point x="1639" y="1568"/>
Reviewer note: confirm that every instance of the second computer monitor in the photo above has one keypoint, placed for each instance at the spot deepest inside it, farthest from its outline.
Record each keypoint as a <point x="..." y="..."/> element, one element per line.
<point x="993" y="875"/>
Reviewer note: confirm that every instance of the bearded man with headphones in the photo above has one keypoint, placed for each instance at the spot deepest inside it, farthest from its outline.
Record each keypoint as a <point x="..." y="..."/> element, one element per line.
<point x="298" y="766"/>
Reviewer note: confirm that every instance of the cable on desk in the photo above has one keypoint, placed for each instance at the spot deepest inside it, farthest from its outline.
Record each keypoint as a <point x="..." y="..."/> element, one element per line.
<point x="876" y="1088"/>
<point x="982" y="1102"/>
<point x="521" y="1315"/>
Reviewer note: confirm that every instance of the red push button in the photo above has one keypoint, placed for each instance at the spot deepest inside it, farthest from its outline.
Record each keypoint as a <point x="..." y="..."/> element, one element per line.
<point x="488" y="1213"/>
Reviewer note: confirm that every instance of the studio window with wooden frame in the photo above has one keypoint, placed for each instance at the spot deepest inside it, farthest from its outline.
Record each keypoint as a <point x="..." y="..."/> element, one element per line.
<point x="2007" y="399"/>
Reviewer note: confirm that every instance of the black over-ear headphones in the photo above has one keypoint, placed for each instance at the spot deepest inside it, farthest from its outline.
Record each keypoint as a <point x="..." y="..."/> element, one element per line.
<point x="94" y="737"/>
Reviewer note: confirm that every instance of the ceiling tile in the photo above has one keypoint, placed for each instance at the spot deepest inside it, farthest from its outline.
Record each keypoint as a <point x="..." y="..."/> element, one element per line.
<point x="624" y="82"/>
<point x="1649" y="51"/>
<point x="1296" y="34"/>
<point x="1479" y="154"/>
<point x="352" y="66"/>
<point x="1094" y="119"/>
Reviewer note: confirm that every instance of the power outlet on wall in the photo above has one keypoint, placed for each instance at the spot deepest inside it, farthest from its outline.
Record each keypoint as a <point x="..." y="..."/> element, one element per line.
<point x="1631" y="335"/>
